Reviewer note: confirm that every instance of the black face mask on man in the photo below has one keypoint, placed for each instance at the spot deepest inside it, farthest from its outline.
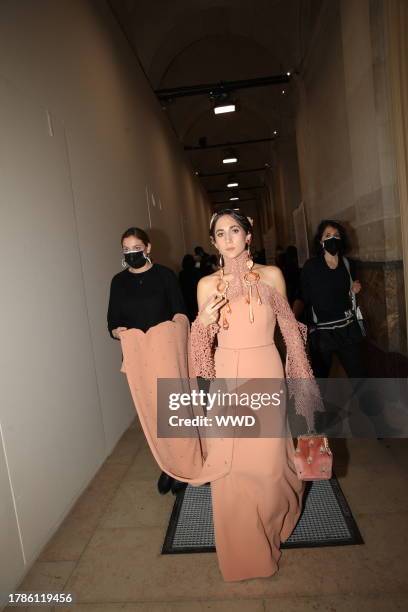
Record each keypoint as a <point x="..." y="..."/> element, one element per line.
<point x="332" y="245"/>
<point x="135" y="259"/>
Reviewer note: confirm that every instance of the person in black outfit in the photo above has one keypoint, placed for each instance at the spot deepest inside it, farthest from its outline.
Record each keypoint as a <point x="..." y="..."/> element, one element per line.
<point x="325" y="292"/>
<point x="203" y="263"/>
<point x="188" y="278"/>
<point x="291" y="273"/>
<point x="260" y="257"/>
<point x="280" y="257"/>
<point x="326" y="286"/>
<point x="213" y="263"/>
<point x="141" y="296"/>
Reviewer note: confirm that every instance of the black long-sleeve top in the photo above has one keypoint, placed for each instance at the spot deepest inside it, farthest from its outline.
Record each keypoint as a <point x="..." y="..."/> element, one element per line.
<point x="143" y="299"/>
<point x="326" y="289"/>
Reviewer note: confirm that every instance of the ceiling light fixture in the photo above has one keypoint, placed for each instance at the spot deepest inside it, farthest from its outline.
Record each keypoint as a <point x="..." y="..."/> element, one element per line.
<point x="222" y="102"/>
<point x="232" y="185"/>
<point x="224" y="108"/>
<point x="234" y="198"/>
<point x="230" y="160"/>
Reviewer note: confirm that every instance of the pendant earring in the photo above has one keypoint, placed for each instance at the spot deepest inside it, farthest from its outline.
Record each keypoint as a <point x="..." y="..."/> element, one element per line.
<point x="147" y="258"/>
<point x="221" y="261"/>
<point x="251" y="279"/>
<point x="250" y="261"/>
<point x="222" y="288"/>
<point x="124" y="264"/>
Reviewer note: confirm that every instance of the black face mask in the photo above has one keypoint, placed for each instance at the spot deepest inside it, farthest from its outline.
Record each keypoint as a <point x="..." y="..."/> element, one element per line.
<point x="135" y="259"/>
<point x="332" y="245"/>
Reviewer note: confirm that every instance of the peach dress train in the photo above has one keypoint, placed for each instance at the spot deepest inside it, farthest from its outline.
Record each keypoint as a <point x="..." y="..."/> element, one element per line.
<point x="256" y="495"/>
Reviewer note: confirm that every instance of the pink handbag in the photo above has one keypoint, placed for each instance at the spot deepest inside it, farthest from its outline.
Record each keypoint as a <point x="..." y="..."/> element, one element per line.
<point x="313" y="458"/>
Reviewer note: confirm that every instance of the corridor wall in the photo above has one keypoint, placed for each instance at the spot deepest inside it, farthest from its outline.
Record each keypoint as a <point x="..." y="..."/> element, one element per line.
<point x="85" y="152"/>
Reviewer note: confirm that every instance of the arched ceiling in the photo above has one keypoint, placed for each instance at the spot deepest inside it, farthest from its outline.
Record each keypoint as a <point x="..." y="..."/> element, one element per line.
<point x="184" y="43"/>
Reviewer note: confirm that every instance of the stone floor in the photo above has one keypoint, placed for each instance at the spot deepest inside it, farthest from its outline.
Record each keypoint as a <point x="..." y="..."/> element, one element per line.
<point x="107" y="551"/>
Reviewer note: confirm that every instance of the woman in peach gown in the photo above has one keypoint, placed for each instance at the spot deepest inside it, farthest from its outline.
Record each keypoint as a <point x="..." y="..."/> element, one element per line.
<point x="256" y="495"/>
<point x="257" y="502"/>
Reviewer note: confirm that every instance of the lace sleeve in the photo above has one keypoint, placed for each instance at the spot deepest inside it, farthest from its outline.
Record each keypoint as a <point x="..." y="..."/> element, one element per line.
<point x="202" y="348"/>
<point x="301" y="382"/>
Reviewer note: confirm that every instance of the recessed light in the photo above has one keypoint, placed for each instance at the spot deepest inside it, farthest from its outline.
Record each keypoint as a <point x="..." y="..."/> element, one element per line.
<point x="232" y="185"/>
<point x="230" y="160"/>
<point x="224" y="108"/>
<point x="234" y="198"/>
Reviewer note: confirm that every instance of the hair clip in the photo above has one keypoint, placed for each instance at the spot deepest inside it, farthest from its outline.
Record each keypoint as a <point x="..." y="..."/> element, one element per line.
<point x="251" y="221"/>
<point x="212" y="218"/>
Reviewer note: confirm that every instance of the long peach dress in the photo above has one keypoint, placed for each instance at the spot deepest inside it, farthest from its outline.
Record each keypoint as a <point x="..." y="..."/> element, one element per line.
<point x="256" y="494"/>
<point x="258" y="503"/>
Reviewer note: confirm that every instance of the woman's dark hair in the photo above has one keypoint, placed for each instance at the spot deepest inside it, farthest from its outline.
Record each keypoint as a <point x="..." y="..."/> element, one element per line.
<point x="137" y="233"/>
<point x="241" y="219"/>
<point x="345" y="245"/>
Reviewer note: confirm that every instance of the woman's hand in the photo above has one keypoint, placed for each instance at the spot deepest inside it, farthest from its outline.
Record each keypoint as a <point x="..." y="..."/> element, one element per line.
<point x="210" y="312"/>
<point x="356" y="286"/>
<point x="116" y="332"/>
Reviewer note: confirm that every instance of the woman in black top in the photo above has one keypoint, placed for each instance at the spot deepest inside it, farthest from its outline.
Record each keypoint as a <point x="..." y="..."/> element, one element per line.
<point x="325" y="291"/>
<point x="141" y="296"/>
<point x="326" y="287"/>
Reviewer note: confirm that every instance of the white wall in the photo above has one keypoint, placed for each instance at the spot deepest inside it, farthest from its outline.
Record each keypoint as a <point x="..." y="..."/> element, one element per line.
<point x="83" y="144"/>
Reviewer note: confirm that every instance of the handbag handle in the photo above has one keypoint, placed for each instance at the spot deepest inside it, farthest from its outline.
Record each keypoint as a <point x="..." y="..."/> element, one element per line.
<point x="352" y="294"/>
<point x="354" y="305"/>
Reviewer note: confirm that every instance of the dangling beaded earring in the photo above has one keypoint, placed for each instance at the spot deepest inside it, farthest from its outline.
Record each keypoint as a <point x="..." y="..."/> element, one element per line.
<point x="249" y="261"/>
<point x="251" y="278"/>
<point x="222" y="288"/>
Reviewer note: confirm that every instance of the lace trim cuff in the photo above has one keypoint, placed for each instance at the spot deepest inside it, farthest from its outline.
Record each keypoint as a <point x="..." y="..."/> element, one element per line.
<point x="302" y="385"/>
<point x="202" y="348"/>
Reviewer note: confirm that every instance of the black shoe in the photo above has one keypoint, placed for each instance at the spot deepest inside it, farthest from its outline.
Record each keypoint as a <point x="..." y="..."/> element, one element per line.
<point x="164" y="484"/>
<point x="178" y="486"/>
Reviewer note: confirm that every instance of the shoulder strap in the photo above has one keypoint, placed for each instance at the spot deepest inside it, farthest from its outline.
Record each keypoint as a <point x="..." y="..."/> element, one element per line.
<point x="352" y="294"/>
<point x="347" y="264"/>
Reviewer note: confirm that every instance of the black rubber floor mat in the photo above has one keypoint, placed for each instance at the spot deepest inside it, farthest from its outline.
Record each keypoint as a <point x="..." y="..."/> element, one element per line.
<point x="326" y="520"/>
